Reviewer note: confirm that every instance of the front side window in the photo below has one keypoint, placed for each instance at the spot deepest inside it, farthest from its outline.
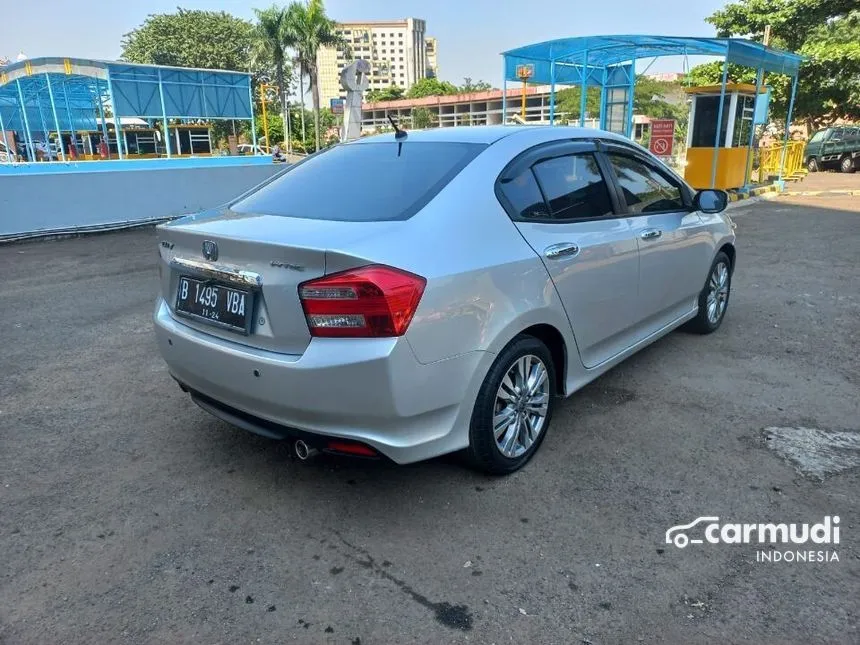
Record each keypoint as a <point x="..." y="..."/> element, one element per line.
<point x="645" y="190"/>
<point x="362" y="182"/>
<point x="574" y="187"/>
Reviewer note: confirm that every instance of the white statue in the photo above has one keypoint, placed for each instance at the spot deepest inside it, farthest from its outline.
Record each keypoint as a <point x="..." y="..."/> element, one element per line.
<point x="354" y="78"/>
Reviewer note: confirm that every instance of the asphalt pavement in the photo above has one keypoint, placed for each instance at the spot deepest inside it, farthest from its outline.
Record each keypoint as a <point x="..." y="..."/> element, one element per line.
<point x="128" y="515"/>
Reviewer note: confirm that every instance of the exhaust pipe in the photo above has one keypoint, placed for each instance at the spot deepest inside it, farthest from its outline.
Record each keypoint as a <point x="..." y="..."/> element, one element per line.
<point x="304" y="451"/>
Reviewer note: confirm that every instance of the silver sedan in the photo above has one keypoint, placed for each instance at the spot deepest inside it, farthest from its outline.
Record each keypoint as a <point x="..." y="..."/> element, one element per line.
<point x="414" y="295"/>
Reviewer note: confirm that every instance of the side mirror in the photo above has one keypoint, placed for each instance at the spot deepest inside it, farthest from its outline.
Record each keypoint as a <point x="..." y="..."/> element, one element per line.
<point x="711" y="201"/>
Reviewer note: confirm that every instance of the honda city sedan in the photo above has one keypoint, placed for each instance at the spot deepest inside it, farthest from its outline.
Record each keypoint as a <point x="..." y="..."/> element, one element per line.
<point x="406" y="296"/>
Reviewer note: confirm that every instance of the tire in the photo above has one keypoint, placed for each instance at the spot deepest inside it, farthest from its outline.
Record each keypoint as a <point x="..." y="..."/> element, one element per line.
<point x="484" y="450"/>
<point x="718" y="285"/>
<point x="812" y="165"/>
<point x="846" y="164"/>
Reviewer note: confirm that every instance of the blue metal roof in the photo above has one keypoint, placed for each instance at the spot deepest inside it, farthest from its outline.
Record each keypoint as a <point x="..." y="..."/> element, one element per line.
<point x="79" y="85"/>
<point x="607" y="51"/>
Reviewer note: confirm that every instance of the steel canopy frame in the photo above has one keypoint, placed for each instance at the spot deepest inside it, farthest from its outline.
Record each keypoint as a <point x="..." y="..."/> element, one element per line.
<point x="28" y="88"/>
<point x="575" y="61"/>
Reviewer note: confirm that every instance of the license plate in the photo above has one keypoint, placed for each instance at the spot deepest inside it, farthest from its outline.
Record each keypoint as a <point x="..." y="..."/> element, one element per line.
<point x="215" y="303"/>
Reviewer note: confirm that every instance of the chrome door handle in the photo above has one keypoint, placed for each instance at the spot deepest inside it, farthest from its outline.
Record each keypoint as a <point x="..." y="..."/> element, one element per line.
<point x="650" y="234"/>
<point x="563" y="250"/>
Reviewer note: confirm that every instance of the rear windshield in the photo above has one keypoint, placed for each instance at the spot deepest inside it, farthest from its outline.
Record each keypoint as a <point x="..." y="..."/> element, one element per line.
<point x="364" y="182"/>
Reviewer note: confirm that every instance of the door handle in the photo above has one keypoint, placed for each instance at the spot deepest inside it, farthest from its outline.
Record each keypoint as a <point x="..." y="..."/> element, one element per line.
<point x="563" y="250"/>
<point x="650" y="234"/>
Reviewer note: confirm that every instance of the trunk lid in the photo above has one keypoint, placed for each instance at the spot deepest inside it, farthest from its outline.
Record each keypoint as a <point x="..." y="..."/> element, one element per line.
<point x="282" y="251"/>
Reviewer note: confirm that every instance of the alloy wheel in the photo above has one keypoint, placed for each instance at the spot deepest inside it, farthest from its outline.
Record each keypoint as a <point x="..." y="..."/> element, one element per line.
<point x="718" y="292"/>
<point x="521" y="405"/>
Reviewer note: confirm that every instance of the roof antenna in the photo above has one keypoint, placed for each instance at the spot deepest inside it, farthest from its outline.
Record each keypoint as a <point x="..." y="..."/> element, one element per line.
<point x="399" y="133"/>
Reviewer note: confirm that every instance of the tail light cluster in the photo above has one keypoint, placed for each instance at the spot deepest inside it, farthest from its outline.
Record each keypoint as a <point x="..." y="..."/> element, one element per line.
<point x="369" y="302"/>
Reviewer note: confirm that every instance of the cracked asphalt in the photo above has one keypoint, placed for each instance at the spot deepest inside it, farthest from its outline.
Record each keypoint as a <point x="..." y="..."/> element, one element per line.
<point x="128" y="515"/>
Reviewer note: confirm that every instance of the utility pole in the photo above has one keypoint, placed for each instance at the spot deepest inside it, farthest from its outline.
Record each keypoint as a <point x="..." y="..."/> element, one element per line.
<point x="287" y="124"/>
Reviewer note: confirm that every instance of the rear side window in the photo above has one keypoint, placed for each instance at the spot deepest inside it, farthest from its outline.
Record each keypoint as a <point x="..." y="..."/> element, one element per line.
<point x="363" y="182"/>
<point x="574" y="187"/>
<point x="524" y="195"/>
<point x="645" y="190"/>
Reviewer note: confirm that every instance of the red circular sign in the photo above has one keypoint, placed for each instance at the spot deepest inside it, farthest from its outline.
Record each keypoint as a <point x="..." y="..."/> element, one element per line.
<point x="661" y="146"/>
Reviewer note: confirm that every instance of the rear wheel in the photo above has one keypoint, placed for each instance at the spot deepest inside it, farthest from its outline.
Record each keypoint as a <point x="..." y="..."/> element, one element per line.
<point x="514" y="407"/>
<point x="714" y="298"/>
<point x="847" y="164"/>
<point x="812" y="164"/>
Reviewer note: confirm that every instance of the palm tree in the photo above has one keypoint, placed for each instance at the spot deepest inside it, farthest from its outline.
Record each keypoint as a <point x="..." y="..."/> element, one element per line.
<point x="308" y="29"/>
<point x="270" y="43"/>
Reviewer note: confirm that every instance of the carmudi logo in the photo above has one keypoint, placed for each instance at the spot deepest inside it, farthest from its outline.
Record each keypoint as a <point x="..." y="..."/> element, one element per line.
<point x="709" y="530"/>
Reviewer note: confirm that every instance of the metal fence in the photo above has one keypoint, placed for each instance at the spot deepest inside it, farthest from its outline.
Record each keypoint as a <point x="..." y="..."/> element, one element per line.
<point x="770" y="158"/>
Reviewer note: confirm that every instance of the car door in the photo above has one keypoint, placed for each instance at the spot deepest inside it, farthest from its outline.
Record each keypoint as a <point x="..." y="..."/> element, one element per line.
<point x="559" y="200"/>
<point x="674" y="245"/>
<point x="831" y="150"/>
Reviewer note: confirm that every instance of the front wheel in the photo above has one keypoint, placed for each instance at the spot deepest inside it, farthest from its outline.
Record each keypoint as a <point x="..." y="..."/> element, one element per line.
<point x="714" y="297"/>
<point x="514" y="407"/>
<point x="812" y="164"/>
<point x="847" y="164"/>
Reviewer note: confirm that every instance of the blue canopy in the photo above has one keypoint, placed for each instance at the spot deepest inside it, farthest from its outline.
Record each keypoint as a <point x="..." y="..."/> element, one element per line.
<point x="137" y="89"/>
<point x="72" y="94"/>
<point x="598" y="52"/>
<point x="609" y="62"/>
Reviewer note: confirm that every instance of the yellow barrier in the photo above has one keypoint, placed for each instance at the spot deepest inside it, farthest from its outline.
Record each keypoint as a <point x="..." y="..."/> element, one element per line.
<point x="770" y="158"/>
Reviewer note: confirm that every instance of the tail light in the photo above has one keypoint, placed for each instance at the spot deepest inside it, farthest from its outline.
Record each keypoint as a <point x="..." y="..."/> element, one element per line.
<point x="372" y="301"/>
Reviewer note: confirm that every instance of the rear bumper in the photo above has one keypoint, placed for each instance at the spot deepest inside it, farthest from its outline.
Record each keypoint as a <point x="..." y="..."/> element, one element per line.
<point x="368" y="390"/>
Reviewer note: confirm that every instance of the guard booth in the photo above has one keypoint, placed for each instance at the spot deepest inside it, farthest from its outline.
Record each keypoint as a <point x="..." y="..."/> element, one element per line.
<point x="734" y="152"/>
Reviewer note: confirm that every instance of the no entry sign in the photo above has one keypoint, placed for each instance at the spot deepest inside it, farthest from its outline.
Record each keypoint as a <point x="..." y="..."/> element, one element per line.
<point x="662" y="137"/>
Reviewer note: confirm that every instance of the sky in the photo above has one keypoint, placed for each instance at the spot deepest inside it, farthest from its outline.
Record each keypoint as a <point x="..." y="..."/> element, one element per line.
<point x="470" y="33"/>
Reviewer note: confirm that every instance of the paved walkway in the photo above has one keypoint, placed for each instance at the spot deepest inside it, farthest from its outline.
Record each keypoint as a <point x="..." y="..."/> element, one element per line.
<point x="128" y="515"/>
<point x="818" y="182"/>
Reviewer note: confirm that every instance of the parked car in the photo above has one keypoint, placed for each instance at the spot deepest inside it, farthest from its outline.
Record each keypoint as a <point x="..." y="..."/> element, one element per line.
<point x="416" y="295"/>
<point x="835" y="147"/>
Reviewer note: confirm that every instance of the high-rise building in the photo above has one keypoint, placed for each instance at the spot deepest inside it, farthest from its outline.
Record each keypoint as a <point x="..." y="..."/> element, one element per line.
<point x="396" y="50"/>
<point x="432" y="49"/>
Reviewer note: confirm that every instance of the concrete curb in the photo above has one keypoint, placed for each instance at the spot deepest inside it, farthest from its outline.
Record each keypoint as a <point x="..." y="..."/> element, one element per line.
<point x="736" y="196"/>
<point x="820" y="193"/>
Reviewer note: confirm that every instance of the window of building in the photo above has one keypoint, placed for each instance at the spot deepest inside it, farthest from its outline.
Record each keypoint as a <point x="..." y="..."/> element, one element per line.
<point x="574" y="187"/>
<point x="705" y="127"/>
<point x="645" y="190"/>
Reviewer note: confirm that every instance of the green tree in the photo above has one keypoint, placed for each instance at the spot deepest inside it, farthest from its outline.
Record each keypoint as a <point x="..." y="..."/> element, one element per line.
<point x="567" y="103"/>
<point x="430" y="87"/>
<point x="391" y="93"/>
<point x="827" y="32"/>
<point x="308" y="28"/>
<point x="422" y="118"/>
<point x="191" y="38"/>
<point x="478" y="86"/>
<point x="270" y="44"/>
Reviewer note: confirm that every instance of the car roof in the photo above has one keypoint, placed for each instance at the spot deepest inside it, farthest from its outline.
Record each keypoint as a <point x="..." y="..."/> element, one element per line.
<point x="488" y="134"/>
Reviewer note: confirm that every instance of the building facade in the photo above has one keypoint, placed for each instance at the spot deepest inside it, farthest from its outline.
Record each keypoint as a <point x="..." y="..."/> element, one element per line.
<point x="396" y="50"/>
<point x="476" y="108"/>
<point x="431" y="47"/>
